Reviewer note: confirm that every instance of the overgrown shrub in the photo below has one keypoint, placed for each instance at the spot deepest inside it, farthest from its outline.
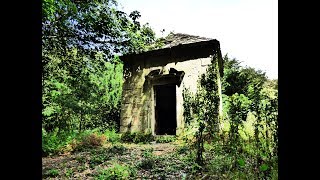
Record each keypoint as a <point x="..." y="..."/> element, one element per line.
<point x="52" y="173"/>
<point x="137" y="137"/>
<point x="189" y="161"/>
<point x="243" y="142"/>
<point x="165" y="139"/>
<point x="148" y="160"/>
<point x="127" y="137"/>
<point x="141" y="137"/>
<point x="117" y="171"/>
<point x="183" y="149"/>
<point x="93" y="140"/>
<point x="68" y="141"/>
<point x="188" y="134"/>
<point x="69" y="173"/>
<point x="118" y="149"/>
<point x="56" y="142"/>
<point x="97" y="159"/>
<point x="112" y="136"/>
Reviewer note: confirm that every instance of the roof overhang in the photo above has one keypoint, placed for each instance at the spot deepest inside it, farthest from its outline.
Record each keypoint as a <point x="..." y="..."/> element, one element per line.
<point x="195" y="50"/>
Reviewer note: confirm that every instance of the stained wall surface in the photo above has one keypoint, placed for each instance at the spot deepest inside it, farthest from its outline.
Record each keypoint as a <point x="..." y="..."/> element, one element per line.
<point x="137" y="110"/>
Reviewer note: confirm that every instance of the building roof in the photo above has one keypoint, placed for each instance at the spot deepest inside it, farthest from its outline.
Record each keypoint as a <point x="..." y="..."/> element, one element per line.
<point x="175" y="39"/>
<point x="178" y="45"/>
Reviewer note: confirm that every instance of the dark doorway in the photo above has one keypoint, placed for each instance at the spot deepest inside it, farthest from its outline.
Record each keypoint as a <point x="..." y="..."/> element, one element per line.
<point x="165" y="109"/>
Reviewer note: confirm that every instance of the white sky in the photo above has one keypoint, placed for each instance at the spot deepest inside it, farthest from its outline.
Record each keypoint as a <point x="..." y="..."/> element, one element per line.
<point x="247" y="29"/>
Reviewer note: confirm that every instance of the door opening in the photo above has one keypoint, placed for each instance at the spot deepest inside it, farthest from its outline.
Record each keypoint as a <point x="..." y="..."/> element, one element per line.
<point x="165" y="109"/>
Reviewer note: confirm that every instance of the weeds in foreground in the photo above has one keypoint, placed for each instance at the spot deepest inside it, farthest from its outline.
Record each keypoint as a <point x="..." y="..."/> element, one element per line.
<point x="165" y="139"/>
<point x="148" y="160"/>
<point x="116" y="171"/>
<point x="52" y="173"/>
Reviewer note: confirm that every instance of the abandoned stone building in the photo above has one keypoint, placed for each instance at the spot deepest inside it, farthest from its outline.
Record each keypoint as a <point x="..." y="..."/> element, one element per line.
<point x="154" y="80"/>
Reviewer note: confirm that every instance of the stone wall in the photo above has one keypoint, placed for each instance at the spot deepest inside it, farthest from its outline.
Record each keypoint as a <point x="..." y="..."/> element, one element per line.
<point x="137" y="110"/>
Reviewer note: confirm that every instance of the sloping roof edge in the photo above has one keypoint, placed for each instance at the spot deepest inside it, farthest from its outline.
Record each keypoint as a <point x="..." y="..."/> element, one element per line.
<point x="197" y="49"/>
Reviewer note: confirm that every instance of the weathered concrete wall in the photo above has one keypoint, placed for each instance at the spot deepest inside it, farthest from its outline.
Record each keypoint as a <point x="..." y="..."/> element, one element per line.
<point x="137" y="111"/>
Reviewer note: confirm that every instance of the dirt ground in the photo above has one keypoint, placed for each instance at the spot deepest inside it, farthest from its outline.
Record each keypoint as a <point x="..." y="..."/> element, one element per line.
<point x="77" y="165"/>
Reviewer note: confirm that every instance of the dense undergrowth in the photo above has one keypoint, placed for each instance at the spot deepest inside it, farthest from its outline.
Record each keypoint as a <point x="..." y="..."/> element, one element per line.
<point x="241" y="145"/>
<point x="109" y="157"/>
<point x="243" y="139"/>
<point x="82" y="87"/>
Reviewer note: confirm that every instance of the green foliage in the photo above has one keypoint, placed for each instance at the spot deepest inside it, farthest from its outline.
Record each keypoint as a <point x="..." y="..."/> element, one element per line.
<point x="117" y="149"/>
<point x="148" y="159"/>
<point x="188" y="104"/>
<point x="81" y="159"/>
<point x="55" y="142"/>
<point x="82" y="73"/>
<point x="127" y="137"/>
<point x="117" y="171"/>
<point x="263" y="167"/>
<point x="183" y="149"/>
<point x="137" y="137"/>
<point x="89" y="140"/>
<point x="189" y="161"/>
<point x="241" y="162"/>
<point x="204" y="107"/>
<point x="69" y="173"/>
<point x="238" y="110"/>
<point x="165" y="139"/>
<point x="70" y="141"/>
<point x="97" y="159"/>
<point x="241" y="80"/>
<point x="52" y="173"/>
<point x="249" y="138"/>
<point x="143" y="137"/>
<point x="81" y="168"/>
<point x="220" y="164"/>
<point x="112" y="136"/>
<point x="92" y="26"/>
<point x="81" y="98"/>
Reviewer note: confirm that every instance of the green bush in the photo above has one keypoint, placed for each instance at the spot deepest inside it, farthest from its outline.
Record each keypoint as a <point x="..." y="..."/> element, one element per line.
<point x="183" y="149"/>
<point x="97" y="159"/>
<point x="137" y="137"/>
<point x="117" y="171"/>
<point x="112" y="136"/>
<point x="88" y="140"/>
<point x="81" y="168"/>
<point x="52" y="173"/>
<point x="127" y="137"/>
<point x="69" y="173"/>
<point x="56" y="142"/>
<point x="67" y="141"/>
<point x="81" y="159"/>
<point x="117" y="149"/>
<point x="220" y="164"/>
<point x="141" y="137"/>
<point x="148" y="160"/>
<point x="165" y="139"/>
<point x="93" y="140"/>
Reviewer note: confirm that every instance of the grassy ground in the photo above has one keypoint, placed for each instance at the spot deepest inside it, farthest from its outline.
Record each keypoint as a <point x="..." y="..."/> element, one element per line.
<point x="96" y="157"/>
<point x="139" y="161"/>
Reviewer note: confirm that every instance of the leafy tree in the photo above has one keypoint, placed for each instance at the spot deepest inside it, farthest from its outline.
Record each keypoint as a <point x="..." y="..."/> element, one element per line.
<point x="245" y="90"/>
<point x="92" y="26"/>
<point x="84" y="95"/>
<point x="259" y="96"/>
<point x="82" y="74"/>
<point x="241" y="80"/>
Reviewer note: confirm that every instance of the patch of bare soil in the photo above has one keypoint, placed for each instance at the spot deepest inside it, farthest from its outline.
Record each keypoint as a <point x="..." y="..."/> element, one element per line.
<point x="158" y="148"/>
